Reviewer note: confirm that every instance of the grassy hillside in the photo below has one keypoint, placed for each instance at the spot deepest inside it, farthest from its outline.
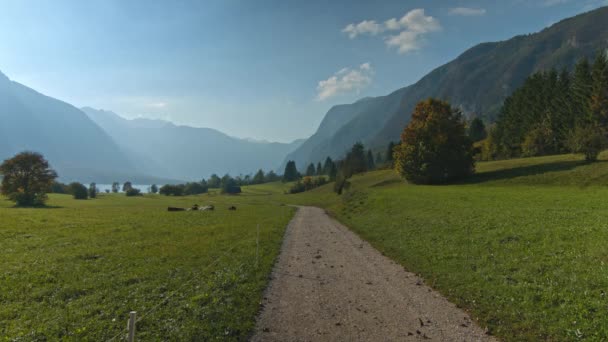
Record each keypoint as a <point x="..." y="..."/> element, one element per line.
<point x="74" y="271"/>
<point x="528" y="260"/>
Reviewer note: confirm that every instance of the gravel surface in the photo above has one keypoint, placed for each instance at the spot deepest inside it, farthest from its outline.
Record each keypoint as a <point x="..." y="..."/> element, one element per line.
<point x="329" y="285"/>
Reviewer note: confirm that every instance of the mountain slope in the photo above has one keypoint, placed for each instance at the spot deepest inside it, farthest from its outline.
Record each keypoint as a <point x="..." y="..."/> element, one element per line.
<point x="74" y="145"/>
<point x="477" y="81"/>
<point x="188" y="152"/>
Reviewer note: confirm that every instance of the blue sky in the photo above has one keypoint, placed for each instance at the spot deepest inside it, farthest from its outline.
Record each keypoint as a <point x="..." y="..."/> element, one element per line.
<point x="259" y="69"/>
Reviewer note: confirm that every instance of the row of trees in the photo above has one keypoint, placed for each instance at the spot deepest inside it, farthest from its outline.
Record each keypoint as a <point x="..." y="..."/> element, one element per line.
<point x="555" y="112"/>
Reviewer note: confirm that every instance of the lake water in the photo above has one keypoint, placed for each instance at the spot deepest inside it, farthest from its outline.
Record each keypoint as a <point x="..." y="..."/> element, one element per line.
<point x="142" y="187"/>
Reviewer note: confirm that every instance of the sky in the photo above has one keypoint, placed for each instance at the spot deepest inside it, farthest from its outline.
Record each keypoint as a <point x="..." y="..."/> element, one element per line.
<point x="266" y="70"/>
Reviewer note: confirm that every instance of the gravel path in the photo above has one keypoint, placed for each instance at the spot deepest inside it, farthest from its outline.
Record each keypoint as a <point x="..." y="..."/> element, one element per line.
<point x="329" y="285"/>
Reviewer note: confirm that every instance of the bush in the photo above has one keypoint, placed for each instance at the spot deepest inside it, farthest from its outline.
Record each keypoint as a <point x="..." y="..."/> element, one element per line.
<point x="588" y="140"/>
<point x="59" y="188"/>
<point x="133" y="192"/>
<point x="306" y="184"/>
<point x="195" y="189"/>
<point x="172" y="190"/>
<point x="434" y="146"/>
<point x="79" y="191"/>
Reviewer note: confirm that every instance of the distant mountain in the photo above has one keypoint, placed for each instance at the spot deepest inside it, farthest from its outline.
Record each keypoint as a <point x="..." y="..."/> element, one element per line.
<point x="477" y="81"/>
<point x="188" y="152"/>
<point x="74" y="145"/>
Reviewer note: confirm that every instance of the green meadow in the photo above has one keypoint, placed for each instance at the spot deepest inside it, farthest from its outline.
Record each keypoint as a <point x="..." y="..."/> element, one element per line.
<point x="74" y="270"/>
<point x="522" y="246"/>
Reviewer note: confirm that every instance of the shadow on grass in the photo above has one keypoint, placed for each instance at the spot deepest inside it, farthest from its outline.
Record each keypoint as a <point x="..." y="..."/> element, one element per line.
<point x="35" y="207"/>
<point x="524" y="171"/>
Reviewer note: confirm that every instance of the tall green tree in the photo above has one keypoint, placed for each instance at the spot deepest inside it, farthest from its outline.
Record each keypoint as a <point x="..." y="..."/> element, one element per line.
<point x="127" y="186"/>
<point x="26" y="178"/>
<point x="599" y="91"/>
<point x="310" y="170"/>
<point x="319" y="171"/>
<point x="214" y="181"/>
<point x="477" y="130"/>
<point x="581" y="90"/>
<point x="371" y="164"/>
<point x="154" y="188"/>
<point x="356" y="160"/>
<point x="291" y="172"/>
<point x="258" y="178"/>
<point x="115" y="187"/>
<point x="434" y="146"/>
<point x="327" y="166"/>
<point x="92" y="190"/>
<point x="389" y="152"/>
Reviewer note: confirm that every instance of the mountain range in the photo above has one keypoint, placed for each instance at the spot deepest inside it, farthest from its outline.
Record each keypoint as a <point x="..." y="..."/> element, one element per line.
<point x="96" y="145"/>
<point x="477" y="82"/>
<point x="90" y="145"/>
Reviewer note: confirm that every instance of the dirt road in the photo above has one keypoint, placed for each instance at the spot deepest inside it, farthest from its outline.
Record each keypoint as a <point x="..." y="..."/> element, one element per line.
<point x="329" y="285"/>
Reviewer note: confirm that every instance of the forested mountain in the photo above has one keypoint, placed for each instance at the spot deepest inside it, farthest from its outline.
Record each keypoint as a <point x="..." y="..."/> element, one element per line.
<point x="74" y="145"/>
<point x="478" y="82"/>
<point x="187" y="152"/>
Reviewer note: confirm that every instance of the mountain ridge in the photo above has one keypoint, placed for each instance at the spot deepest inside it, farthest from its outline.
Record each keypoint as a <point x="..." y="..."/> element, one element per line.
<point x="477" y="82"/>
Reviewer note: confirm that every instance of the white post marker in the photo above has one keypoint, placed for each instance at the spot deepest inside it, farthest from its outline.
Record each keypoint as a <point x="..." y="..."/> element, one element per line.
<point x="131" y="326"/>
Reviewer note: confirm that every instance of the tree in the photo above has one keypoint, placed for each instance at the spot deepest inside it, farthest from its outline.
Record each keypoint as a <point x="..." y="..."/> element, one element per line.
<point x="389" y="152"/>
<point x="587" y="139"/>
<point x="333" y="172"/>
<point x="310" y="171"/>
<point x="258" y="178"/>
<point x="477" y="130"/>
<point x="214" y="181"/>
<point x="115" y="187"/>
<point x="59" y="188"/>
<point x="78" y="190"/>
<point x="341" y="179"/>
<point x="379" y="160"/>
<point x="127" y="186"/>
<point x="154" y="188"/>
<point x="434" y="146"/>
<point x="319" y="169"/>
<point x="26" y="179"/>
<point x="195" y="188"/>
<point x="229" y="185"/>
<point x="356" y="160"/>
<point x="92" y="190"/>
<point x="271" y="176"/>
<point x="599" y="91"/>
<point x="370" y="160"/>
<point x="327" y="165"/>
<point x="291" y="172"/>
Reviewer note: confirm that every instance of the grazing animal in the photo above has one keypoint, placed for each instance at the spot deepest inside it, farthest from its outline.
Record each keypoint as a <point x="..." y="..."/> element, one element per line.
<point x="232" y="208"/>
<point x="208" y="207"/>
<point x="175" y="209"/>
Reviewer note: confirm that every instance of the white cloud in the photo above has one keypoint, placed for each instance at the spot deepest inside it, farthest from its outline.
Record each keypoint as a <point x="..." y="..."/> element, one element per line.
<point x="366" y="26"/>
<point x="406" y="41"/>
<point x="467" y="12"/>
<point x="413" y="26"/>
<point x="344" y="81"/>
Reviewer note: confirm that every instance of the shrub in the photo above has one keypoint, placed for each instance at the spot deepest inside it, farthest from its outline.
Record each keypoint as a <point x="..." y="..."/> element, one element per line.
<point x="172" y="190"/>
<point x="133" y="192"/>
<point x="195" y="189"/>
<point x="79" y="191"/>
<point x="588" y="140"/>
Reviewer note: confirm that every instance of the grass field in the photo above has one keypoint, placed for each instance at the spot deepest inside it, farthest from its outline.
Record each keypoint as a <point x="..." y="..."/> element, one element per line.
<point x="74" y="270"/>
<point x="523" y="245"/>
